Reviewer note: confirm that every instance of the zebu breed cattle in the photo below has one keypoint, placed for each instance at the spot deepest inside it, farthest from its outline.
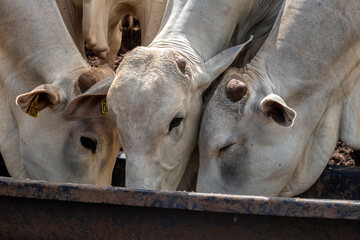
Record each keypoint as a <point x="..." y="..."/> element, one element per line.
<point x="309" y="65"/>
<point x="39" y="60"/>
<point x="99" y="23"/>
<point x="102" y="23"/>
<point x="156" y="98"/>
<point x="72" y="14"/>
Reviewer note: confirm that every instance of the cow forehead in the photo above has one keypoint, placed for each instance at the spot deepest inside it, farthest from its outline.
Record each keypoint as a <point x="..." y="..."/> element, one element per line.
<point x="148" y="77"/>
<point x="148" y="89"/>
<point x="148" y="64"/>
<point x="151" y="99"/>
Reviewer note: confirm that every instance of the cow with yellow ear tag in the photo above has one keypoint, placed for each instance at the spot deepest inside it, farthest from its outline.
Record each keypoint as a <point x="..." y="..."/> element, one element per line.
<point x="41" y="73"/>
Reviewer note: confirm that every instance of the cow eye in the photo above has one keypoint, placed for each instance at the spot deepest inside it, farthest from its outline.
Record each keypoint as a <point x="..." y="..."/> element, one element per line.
<point x="88" y="143"/>
<point x="223" y="149"/>
<point x="174" y="123"/>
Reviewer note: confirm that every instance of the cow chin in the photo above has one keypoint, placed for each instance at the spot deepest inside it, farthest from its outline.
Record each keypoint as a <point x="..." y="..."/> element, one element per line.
<point x="154" y="183"/>
<point x="209" y="183"/>
<point x="234" y="172"/>
<point x="152" y="174"/>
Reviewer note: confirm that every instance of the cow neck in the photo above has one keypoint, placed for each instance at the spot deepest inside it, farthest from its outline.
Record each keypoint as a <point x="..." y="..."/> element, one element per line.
<point x="307" y="59"/>
<point x="39" y="45"/>
<point x="260" y="14"/>
<point x="306" y="67"/>
<point x="198" y="29"/>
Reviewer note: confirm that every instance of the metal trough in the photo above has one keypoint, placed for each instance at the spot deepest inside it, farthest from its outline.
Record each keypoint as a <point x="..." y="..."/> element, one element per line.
<point x="336" y="182"/>
<point x="47" y="210"/>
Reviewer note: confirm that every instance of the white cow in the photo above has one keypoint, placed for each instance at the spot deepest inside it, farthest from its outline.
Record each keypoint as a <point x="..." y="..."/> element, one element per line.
<point x="156" y="98"/>
<point x="99" y="23"/>
<point x="39" y="61"/>
<point x="72" y="14"/>
<point x="102" y="23"/>
<point x="309" y="65"/>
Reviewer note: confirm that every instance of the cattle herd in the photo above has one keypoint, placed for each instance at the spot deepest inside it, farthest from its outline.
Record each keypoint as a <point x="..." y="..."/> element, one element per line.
<point x="281" y="80"/>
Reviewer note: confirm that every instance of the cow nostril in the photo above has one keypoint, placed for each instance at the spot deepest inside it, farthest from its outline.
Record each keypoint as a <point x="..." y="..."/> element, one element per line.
<point x="89" y="143"/>
<point x="223" y="149"/>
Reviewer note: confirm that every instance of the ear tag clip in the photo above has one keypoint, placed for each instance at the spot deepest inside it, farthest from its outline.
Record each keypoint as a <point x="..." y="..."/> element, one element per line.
<point x="104" y="108"/>
<point x="34" y="107"/>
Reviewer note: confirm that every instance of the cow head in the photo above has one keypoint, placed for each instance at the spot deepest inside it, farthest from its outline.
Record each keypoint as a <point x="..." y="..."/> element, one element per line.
<point x="55" y="148"/>
<point x="155" y="101"/>
<point x="239" y="137"/>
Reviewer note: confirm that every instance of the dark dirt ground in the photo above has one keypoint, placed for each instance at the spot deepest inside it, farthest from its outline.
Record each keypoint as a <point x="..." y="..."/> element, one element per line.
<point x="344" y="156"/>
<point x="131" y="37"/>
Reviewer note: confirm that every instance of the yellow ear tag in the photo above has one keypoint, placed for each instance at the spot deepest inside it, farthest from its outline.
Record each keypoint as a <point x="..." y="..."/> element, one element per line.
<point x="104" y="108"/>
<point x="34" y="107"/>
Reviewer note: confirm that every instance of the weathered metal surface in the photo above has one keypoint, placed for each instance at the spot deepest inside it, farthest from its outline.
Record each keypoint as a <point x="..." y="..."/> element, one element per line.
<point x="45" y="210"/>
<point x="293" y="207"/>
<point x="41" y="219"/>
<point x="337" y="182"/>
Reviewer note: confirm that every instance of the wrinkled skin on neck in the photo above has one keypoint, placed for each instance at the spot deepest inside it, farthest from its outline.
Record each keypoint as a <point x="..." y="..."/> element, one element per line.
<point x="143" y="103"/>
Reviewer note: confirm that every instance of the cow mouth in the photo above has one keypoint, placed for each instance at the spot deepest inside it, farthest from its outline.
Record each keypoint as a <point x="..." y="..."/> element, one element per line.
<point x="168" y="167"/>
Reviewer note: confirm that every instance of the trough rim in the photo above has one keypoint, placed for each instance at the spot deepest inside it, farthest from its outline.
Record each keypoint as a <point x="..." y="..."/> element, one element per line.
<point x="193" y="201"/>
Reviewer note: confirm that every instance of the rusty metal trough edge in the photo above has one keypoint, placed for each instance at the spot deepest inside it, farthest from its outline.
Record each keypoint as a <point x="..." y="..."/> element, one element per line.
<point x="241" y="204"/>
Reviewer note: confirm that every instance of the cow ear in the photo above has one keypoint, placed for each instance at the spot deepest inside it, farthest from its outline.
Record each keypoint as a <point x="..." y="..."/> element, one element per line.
<point x="46" y="95"/>
<point x="91" y="103"/>
<point x="275" y="107"/>
<point x="218" y="64"/>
